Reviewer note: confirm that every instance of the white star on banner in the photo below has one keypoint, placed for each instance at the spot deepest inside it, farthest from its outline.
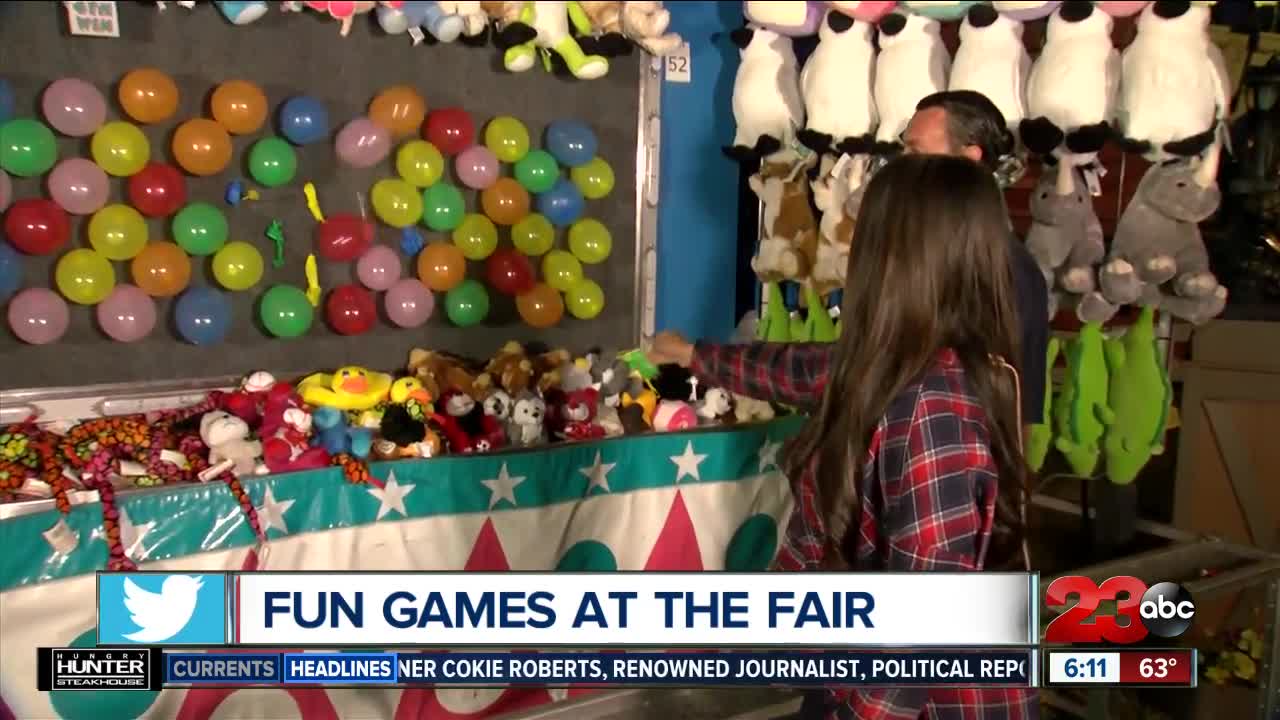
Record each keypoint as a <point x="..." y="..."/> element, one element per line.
<point x="687" y="464"/>
<point x="502" y="487"/>
<point x="391" y="496"/>
<point x="768" y="454"/>
<point x="271" y="513"/>
<point x="598" y="473"/>
<point x="131" y="536"/>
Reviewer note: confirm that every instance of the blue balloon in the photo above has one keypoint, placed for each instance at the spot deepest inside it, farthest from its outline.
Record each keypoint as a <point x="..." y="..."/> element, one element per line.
<point x="6" y="100"/>
<point x="562" y="204"/>
<point x="303" y="120"/>
<point x="203" y="315"/>
<point x="10" y="270"/>
<point x="572" y="142"/>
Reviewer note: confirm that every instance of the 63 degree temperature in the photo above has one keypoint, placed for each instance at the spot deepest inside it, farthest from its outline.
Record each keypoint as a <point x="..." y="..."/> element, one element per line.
<point x="1156" y="667"/>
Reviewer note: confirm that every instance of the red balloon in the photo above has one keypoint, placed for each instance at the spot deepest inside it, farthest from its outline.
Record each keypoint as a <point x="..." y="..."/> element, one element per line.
<point x="351" y="310"/>
<point x="37" y="226"/>
<point x="509" y="272"/>
<point x="158" y="190"/>
<point x="450" y="130"/>
<point x="343" y="237"/>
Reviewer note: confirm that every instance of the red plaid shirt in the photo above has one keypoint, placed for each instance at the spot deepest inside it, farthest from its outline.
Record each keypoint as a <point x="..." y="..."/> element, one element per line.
<point x="928" y="500"/>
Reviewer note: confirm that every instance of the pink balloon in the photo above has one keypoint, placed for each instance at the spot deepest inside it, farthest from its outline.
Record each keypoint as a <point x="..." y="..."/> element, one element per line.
<point x="477" y="168"/>
<point x="73" y="107"/>
<point x="128" y="314"/>
<point x="78" y="186"/>
<point x="362" y="143"/>
<point x="38" y="316"/>
<point x="6" y="190"/>
<point x="378" y="268"/>
<point x="409" y="303"/>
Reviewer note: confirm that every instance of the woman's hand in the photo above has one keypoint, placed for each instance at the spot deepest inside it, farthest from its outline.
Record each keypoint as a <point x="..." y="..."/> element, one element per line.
<point x="670" y="348"/>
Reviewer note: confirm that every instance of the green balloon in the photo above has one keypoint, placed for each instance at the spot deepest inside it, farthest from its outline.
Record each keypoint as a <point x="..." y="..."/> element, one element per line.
<point x="27" y="147"/>
<point x="272" y="162"/>
<point x="286" y="312"/>
<point x="100" y="704"/>
<point x="467" y="304"/>
<point x="200" y="229"/>
<point x="442" y="207"/>
<point x="538" y="171"/>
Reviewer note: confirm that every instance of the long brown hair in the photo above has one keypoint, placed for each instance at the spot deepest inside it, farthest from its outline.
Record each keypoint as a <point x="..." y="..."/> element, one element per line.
<point x="930" y="269"/>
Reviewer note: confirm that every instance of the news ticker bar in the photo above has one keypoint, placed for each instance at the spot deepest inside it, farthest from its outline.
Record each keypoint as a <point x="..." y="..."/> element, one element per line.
<point x="155" y="668"/>
<point x="1120" y="668"/>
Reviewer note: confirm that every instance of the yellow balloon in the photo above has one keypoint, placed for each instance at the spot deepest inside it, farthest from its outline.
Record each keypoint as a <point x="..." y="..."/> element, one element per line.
<point x="476" y="237"/>
<point x="419" y="163"/>
<point x="534" y="235"/>
<point x="561" y="270"/>
<point x="118" y="232"/>
<point x="237" y="266"/>
<point x="84" y="276"/>
<point x="120" y="149"/>
<point x="396" y="203"/>
<point x="507" y="138"/>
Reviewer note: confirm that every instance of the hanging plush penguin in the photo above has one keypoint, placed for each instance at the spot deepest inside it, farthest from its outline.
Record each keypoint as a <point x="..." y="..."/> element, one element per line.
<point x="993" y="61"/>
<point x="767" y="106"/>
<point x="1174" y="88"/>
<point x="840" y="109"/>
<point x="1071" y="92"/>
<point x="912" y="64"/>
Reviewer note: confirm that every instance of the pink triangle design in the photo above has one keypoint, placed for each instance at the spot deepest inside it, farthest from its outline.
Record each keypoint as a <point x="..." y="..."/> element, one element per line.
<point x="487" y="554"/>
<point x="677" y="546"/>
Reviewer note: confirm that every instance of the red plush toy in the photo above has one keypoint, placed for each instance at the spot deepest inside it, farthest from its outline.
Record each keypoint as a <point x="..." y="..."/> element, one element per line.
<point x="247" y="402"/>
<point x="286" y="432"/>
<point x="579" y="415"/>
<point x="465" y="425"/>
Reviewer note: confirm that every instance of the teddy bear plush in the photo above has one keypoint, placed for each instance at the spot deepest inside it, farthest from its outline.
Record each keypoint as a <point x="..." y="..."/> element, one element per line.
<point x="509" y="369"/>
<point x="527" y="427"/>
<point x="913" y="63"/>
<point x="993" y="61"/>
<point x="439" y="372"/>
<point x="645" y="24"/>
<point x="767" y="104"/>
<point x="227" y="438"/>
<point x="840" y="109"/>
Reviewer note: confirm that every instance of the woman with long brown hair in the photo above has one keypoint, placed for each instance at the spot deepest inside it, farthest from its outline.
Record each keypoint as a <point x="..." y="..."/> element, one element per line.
<point x="911" y="459"/>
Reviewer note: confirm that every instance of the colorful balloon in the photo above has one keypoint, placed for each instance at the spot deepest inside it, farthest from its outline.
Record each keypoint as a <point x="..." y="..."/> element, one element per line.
<point x="200" y="228"/>
<point x="476" y="167"/>
<point x="162" y="269"/>
<point x="158" y="190"/>
<point x="572" y="142"/>
<point x="594" y="179"/>
<point x="506" y="202"/>
<point x="303" y="120"/>
<point x="272" y="162"/>
<point x="562" y="204"/>
<point x="537" y="171"/>
<point x="585" y="300"/>
<point x="590" y="241"/>
<point x="409" y="303"/>
<point x="561" y="270"/>
<point x="237" y="266"/>
<point x="533" y="235"/>
<point x="441" y="266"/>
<point x="127" y="315"/>
<point x="442" y="207"/>
<point x="148" y="95"/>
<point x="37" y="226"/>
<point x="467" y="304"/>
<point x="362" y="143"/>
<point x="476" y="237"/>
<point x="6" y="190"/>
<point x="73" y="107"/>
<point x="542" y="307"/>
<point x="27" y="147"/>
<point x="78" y="186"/>
<point x="285" y="311"/>
<point x="202" y="147"/>
<point x="239" y="106"/>
<point x="343" y="237"/>
<point x="450" y="130"/>
<point x="399" y="109"/>
<point x="509" y="272"/>
<point x="396" y="202"/>
<point x="118" y="232"/>
<point x="203" y="315"/>
<point x="378" y="268"/>
<point x="10" y="271"/>
<point x="120" y="148"/>
<point x="507" y="138"/>
<point x="350" y="310"/>
<point x="84" y="277"/>
<point x="38" y="316"/>
<point x="419" y="163"/>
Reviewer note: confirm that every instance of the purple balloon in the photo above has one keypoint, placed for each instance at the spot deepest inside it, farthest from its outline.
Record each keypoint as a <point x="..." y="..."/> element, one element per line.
<point x="476" y="167"/>
<point x="38" y="316"/>
<point x="362" y="143"/>
<point x="128" y="314"/>
<point x="378" y="268"/>
<point x="74" y="107"/>
<point x="78" y="186"/>
<point x="6" y="190"/>
<point x="409" y="303"/>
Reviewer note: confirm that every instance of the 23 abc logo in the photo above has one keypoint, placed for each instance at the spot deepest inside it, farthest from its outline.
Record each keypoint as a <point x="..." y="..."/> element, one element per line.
<point x="1164" y="610"/>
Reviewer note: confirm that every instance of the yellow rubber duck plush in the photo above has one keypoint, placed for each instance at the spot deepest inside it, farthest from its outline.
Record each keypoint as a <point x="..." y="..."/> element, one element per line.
<point x="348" y="388"/>
<point x="409" y="392"/>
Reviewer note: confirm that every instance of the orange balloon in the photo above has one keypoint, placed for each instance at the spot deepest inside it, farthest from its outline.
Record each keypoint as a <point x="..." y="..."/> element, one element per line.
<point x="202" y="147"/>
<point x="399" y="109"/>
<point x="541" y="307"/>
<point x="239" y="106"/>
<point x="506" y="202"/>
<point x="162" y="269"/>
<point x="441" y="266"/>
<point x="148" y="95"/>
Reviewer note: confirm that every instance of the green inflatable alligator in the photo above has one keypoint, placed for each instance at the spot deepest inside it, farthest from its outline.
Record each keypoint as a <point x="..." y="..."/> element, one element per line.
<point x="1041" y="435"/>
<point x="1081" y="413"/>
<point x="1140" y="395"/>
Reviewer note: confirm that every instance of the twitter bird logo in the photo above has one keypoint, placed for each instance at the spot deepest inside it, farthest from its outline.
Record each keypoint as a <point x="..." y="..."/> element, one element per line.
<point x="152" y="609"/>
<point x="164" y="614"/>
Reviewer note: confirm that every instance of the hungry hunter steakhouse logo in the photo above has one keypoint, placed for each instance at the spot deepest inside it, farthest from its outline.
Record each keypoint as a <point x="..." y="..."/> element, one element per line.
<point x="1164" y="610"/>
<point x="95" y="669"/>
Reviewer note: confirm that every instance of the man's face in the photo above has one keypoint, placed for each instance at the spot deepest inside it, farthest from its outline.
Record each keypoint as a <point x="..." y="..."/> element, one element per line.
<point x="927" y="134"/>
